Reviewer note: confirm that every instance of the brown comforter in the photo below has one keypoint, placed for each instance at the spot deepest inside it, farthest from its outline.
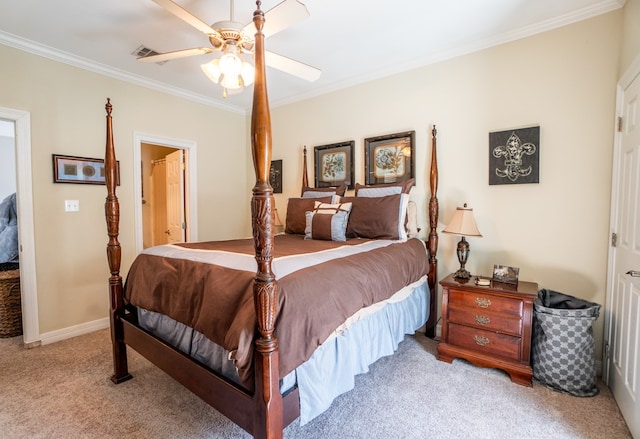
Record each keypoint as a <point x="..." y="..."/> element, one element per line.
<point x="312" y="302"/>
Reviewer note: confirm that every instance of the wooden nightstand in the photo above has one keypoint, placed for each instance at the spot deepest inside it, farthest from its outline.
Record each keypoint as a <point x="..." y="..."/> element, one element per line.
<point x="488" y="326"/>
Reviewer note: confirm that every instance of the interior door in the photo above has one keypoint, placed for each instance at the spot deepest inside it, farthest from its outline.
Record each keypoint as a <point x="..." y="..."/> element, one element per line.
<point x="176" y="227"/>
<point x="623" y="334"/>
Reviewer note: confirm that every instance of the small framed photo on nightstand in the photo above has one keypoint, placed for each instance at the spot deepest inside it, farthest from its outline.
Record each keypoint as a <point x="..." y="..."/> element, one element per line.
<point x="506" y="274"/>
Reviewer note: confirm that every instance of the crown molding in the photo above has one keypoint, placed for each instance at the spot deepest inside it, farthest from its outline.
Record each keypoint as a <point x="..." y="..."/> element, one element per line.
<point x="44" y="51"/>
<point x="600" y="8"/>
<point x="23" y="44"/>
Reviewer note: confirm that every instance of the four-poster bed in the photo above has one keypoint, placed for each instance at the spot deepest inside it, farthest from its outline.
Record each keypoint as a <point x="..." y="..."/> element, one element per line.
<point x="261" y="335"/>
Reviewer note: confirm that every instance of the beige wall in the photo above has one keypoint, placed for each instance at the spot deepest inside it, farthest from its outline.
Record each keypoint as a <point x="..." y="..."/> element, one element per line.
<point x="555" y="231"/>
<point x="563" y="80"/>
<point x="630" y="34"/>
<point x="68" y="117"/>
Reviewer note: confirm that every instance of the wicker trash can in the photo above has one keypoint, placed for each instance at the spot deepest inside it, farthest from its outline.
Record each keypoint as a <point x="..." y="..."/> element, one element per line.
<point x="10" y="304"/>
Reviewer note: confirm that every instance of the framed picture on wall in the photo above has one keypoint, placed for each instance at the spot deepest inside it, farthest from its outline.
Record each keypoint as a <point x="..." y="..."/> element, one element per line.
<point x="275" y="176"/>
<point x="514" y="156"/>
<point x="334" y="164"/>
<point x="389" y="158"/>
<point x="71" y="169"/>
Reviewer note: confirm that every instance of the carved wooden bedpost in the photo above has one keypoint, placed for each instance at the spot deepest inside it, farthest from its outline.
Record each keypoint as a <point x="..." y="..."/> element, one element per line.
<point x="268" y="419"/>
<point x="433" y="235"/>
<point x="305" y="176"/>
<point x="112" y="214"/>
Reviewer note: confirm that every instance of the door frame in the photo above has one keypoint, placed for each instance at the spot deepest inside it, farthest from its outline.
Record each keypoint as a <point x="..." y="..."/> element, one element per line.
<point x="625" y="81"/>
<point x="28" y="282"/>
<point x="190" y="181"/>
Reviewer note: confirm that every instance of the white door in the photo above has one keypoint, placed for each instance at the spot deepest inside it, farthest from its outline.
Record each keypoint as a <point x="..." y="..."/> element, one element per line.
<point x="175" y="197"/>
<point x="623" y="315"/>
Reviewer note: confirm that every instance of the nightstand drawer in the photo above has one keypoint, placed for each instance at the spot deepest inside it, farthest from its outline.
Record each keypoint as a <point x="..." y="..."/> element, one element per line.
<point x="479" y="301"/>
<point x="488" y="342"/>
<point x="483" y="319"/>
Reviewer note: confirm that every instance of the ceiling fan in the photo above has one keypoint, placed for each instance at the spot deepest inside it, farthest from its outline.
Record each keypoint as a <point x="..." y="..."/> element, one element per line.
<point x="232" y="39"/>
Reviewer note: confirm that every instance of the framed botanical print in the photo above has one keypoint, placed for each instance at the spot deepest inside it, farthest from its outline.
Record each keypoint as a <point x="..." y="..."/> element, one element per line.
<point x="334" y="164"/>
<point x="389" y="159"/>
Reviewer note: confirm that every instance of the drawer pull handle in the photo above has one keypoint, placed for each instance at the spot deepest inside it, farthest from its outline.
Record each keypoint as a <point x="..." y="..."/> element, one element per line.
<point x="482" y="302"/>
<point x="482" y="320"/>
<point x="482" y="341"/>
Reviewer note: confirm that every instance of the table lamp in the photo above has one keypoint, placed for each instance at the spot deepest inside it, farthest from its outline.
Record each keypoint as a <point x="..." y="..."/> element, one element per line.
<point x="462" y="224"/>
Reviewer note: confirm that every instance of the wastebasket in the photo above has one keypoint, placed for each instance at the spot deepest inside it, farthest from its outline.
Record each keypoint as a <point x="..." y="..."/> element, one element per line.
<point x="563" y="347"/>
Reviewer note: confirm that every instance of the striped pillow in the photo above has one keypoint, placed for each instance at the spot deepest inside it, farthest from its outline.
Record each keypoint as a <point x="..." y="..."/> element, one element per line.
<point x="328" y="222"/>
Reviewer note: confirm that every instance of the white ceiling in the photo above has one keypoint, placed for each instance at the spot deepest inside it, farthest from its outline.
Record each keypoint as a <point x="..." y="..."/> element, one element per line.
<point x="351" y="41"/>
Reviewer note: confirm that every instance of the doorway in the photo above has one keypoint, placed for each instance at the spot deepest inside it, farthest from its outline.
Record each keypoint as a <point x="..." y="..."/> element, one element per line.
<point x="28" y="287"/>
<point x="622" y="321"/>
<point x="163" y="198"/>
<point x="164" y="208"/>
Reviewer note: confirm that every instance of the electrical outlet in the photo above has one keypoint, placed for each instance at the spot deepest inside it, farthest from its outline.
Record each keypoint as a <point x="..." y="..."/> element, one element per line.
<point x="71" y="206"/>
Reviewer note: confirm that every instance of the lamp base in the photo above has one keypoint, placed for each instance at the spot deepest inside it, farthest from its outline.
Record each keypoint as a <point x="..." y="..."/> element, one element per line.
<point x="462" y="274"/>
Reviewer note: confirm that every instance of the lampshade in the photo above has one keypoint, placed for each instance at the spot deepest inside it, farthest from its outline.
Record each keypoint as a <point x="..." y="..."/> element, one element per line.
<point x="230" y="71"/>
<point x="463" y="223"/>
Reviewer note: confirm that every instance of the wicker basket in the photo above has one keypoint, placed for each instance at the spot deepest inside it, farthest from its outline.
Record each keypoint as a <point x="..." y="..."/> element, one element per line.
<point x="10" y="304"/>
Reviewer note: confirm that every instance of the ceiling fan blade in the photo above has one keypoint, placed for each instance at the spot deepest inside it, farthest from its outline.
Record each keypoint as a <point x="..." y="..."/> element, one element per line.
<point x="291" y="66"/>
<point x="167" y="56"/>
<point x="280" y="17"/>
<point x="186" y="16"/>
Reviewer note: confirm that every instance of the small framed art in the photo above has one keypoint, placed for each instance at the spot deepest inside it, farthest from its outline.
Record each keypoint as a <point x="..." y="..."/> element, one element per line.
<point x="70" y="169"/>
<point x="334" y="164"/>
<point x="505" y="274"/>
<point x="275" y="176"/>
<point x="389" y="159"/>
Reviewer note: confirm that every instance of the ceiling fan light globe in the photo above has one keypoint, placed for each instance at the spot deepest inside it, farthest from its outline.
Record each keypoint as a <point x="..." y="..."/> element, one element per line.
<point x="230" y="64"/>
<point x="231" y="82"/>
<point x="248" y="73"/>
<point x="212" y="70"/>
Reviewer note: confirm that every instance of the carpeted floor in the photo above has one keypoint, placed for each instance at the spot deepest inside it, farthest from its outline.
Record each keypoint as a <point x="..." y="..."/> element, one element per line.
<point x="63" y="391"/>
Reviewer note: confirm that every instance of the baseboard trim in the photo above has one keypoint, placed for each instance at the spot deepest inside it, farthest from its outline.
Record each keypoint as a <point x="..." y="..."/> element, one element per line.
<point x="73" y="331"/>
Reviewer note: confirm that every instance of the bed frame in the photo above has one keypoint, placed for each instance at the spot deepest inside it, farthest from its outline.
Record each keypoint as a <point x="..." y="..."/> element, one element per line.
<point x="265" y="412"/>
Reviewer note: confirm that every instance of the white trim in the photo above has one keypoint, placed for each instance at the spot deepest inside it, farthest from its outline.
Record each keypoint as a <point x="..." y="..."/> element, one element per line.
<point x="39" y="49"/>
<point x="625" y="81"/>
<point x="28" y="283"/>
<point x="102" y="69"/>
<point x="433" y="58"/>
<point x="630" y="74"/>
<point x="74" y="331"/>
<point x="190" y="183"/>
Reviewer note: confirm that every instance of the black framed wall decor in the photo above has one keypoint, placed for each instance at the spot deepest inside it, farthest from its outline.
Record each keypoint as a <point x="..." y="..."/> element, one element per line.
<point x="333" y="164"/>
<point x="514" y="156"/>
<point x="389" y="158"/>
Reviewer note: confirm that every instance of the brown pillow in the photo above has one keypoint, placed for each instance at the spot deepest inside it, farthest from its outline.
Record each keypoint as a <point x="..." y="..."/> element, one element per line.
<point x="313" y="191"/>
<point x="296" y="220"/>
<point x="384" y="189"/>
<point x="377" y="217"/>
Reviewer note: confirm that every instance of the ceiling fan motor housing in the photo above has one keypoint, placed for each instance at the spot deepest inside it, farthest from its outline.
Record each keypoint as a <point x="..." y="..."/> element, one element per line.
<point x="231" y="31"/>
